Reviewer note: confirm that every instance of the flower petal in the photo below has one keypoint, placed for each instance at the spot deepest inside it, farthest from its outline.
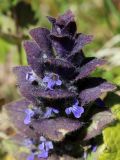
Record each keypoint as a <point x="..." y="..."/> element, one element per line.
<point x="68" y="110"/>
<point x="46" y="79"/>
<point x="27" y="120"/>
<point x="58" y="82"/>
<point x="77" y="111"/>
<point x="29" y="112"/>
<point x="51" y="84"/>
<point x="94" y="148"/>
<point x="48" y="113"/>
<point x="43" y="154"/>
<point x="42" y="139"/>
<point x="31" y="157"/>
<point x="41" y="146"/>
<point x="55" y="111"/>
<point x="49" y="145"/>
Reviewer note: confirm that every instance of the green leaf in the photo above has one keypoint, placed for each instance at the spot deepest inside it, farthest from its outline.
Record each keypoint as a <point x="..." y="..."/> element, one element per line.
<point x="111" y="134"/>
<point x="111" y="138"/>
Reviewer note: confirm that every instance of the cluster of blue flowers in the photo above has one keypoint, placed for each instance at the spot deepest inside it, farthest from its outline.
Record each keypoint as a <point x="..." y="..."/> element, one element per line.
<point x="50" y="82"/>
<point x="41" y="150"/>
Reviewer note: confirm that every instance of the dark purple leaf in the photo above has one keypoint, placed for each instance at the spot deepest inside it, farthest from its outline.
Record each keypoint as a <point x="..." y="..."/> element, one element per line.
<point x="99" y="121"/>
<point x="34" y="56"/>
<point x="25" y="86"/>
<point x="93" y="93"/>
<point x="69" y="29"/>
<point x="62" y="45"/>
<point x="40" y="35"/>
<point x="81" y="41"/>
<point x="51" y="19"/>
<point x="76" y="58"/>
<point x="56" y="94"/>
<point x="86" y="69"/>
<point x="56" y="129"/>
<point x="16" y="115"/>
<point x="28" y="91"/>
<point x="89" y="82"/>
<point x="60" y="66"/>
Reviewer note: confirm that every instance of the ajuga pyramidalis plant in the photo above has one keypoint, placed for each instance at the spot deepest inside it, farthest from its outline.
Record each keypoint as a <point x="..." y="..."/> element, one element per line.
<point x="61" y="110"/>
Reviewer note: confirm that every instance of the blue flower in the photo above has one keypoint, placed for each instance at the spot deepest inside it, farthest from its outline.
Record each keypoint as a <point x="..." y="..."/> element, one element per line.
<point x="30" y="76"/>
<point x="50" y="111"/>
<point x="31" y="156"/>
<point x="75" y="109"/>
<point x="52" y="80"/>
<point x="44" y="147"/>
<point x="94" y="148"/>
<point x="29" y="113"/>
<point x="43" y="154"/>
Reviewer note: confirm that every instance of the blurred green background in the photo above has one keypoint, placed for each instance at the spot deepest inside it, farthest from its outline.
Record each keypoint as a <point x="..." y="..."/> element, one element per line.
<point x="100" y="18"/>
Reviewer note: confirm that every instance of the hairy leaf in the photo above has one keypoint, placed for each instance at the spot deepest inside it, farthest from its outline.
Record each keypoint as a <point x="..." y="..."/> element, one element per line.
<point x="92" y="94"/>
<point x="34" y="56"/>
<point x="16" y="112"/>
<point x="56" y="129"/>
<point x="86" y="69"/>
<point x="40" y="35"/>
<point x="81" y="41"/>
<point x="61" y="67"/>
<point x="99" y="121"/>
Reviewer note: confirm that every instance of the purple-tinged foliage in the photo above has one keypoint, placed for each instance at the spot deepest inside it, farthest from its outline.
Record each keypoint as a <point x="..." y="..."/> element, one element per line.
<point x="58" y="73"/>
<point x="86" y="69"/>
<point x="99" y="121"/>
<point x="56" y="129"/>
<point x="91" y="94"/>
